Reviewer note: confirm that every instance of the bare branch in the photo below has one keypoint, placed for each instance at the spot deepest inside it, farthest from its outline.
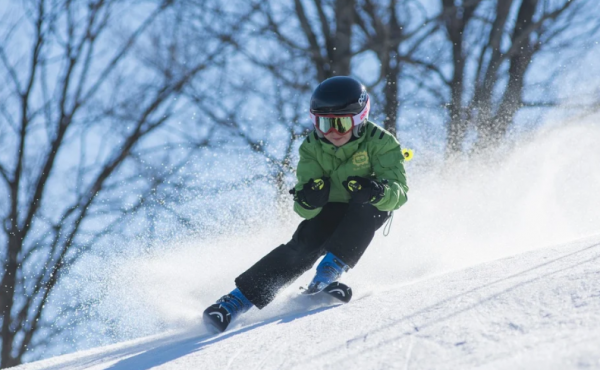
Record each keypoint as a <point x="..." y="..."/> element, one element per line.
<point x="11" y="71"/>
<point x="90" y="36"/>
<point x="4" y="175"/>
<point x="325" y="30"/>
<point x="123" y="51"/>
<point x="520" y="37"/>
<point x="315" y="49"/>
<point x="279" y="34"/>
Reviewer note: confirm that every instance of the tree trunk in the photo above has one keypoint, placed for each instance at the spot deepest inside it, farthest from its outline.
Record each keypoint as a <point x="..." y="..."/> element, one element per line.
<point x="391" y="70"/>
<point x="456" y="19"/>
<point x="457" y="127"/>
<point x="7" y="300"/>
<point x="390" y="92"/>
<point x="341" y="53"/>
<point x="519" y="62"/>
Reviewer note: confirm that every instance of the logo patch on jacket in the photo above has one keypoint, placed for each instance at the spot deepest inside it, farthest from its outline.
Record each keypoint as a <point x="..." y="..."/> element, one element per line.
<point x="360" y="159"/>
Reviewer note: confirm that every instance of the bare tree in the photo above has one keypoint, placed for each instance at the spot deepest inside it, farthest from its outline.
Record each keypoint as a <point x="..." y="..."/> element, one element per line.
<point x="387" y="27"/>
<point x="271" y="99"/>
<point x="329" y="38"/>
<point x="484" y="90"/>
<point x="455" y="19"/>
<point x="514" y="32"/>
<point x="335" y="32"/>
<point x="84" y="113"/>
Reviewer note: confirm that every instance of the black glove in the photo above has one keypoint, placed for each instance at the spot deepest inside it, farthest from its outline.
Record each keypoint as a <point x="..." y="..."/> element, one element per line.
<point x="314" y="194"/>
<point x="364" y="190"/>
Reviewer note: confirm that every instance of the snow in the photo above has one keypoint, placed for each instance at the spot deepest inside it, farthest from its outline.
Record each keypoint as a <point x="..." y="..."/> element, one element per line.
<point x="536" y="310"/>
<point x="485" y="267"/>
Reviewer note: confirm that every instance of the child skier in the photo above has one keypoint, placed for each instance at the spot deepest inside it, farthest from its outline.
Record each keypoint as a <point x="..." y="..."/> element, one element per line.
<point x="350" y="177"/>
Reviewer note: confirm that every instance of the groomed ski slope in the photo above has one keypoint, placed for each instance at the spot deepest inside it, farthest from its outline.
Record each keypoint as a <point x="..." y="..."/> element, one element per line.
<point x="485" y="267"/>
<point x="537" y="310"/>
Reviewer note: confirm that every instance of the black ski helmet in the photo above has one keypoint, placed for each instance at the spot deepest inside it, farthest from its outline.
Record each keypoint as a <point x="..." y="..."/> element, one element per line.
<point x="341" y="95"/>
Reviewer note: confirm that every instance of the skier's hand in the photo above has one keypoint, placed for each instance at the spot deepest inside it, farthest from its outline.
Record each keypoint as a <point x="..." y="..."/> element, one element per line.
<point x="314" y="194"/>
<point x="364" y="190"/>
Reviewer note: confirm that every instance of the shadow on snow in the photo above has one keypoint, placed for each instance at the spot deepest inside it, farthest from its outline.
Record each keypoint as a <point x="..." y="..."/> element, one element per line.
<point x="167" y="353"/>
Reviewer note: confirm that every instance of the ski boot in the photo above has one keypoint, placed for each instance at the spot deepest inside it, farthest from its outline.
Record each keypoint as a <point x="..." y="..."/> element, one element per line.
<point x="219" y="315"/>
<point x="329" y="271"/>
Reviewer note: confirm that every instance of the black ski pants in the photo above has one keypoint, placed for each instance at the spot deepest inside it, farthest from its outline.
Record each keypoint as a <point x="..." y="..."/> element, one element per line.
<point x="344" y="229"/>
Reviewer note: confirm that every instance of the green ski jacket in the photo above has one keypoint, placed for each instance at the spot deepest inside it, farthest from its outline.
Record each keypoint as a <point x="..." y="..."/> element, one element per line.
<point x="376" y="155"/>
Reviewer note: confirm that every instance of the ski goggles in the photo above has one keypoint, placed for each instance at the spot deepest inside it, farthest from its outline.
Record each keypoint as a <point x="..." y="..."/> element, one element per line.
<point x="339" y="123"/>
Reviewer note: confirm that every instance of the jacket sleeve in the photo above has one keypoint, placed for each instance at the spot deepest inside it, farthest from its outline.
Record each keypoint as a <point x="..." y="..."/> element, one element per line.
<point x="308" y="168"/>
<point x="389" y="165"/>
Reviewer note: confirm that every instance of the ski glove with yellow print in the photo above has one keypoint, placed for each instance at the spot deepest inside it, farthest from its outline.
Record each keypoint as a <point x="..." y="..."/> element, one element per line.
<point x="364" y="190"/>
<point x="314" y="194"/>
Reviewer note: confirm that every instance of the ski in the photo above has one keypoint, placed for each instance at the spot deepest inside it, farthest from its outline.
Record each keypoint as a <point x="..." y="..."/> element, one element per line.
<point x="339" y="291"/>
<point x="216" y="318"/>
